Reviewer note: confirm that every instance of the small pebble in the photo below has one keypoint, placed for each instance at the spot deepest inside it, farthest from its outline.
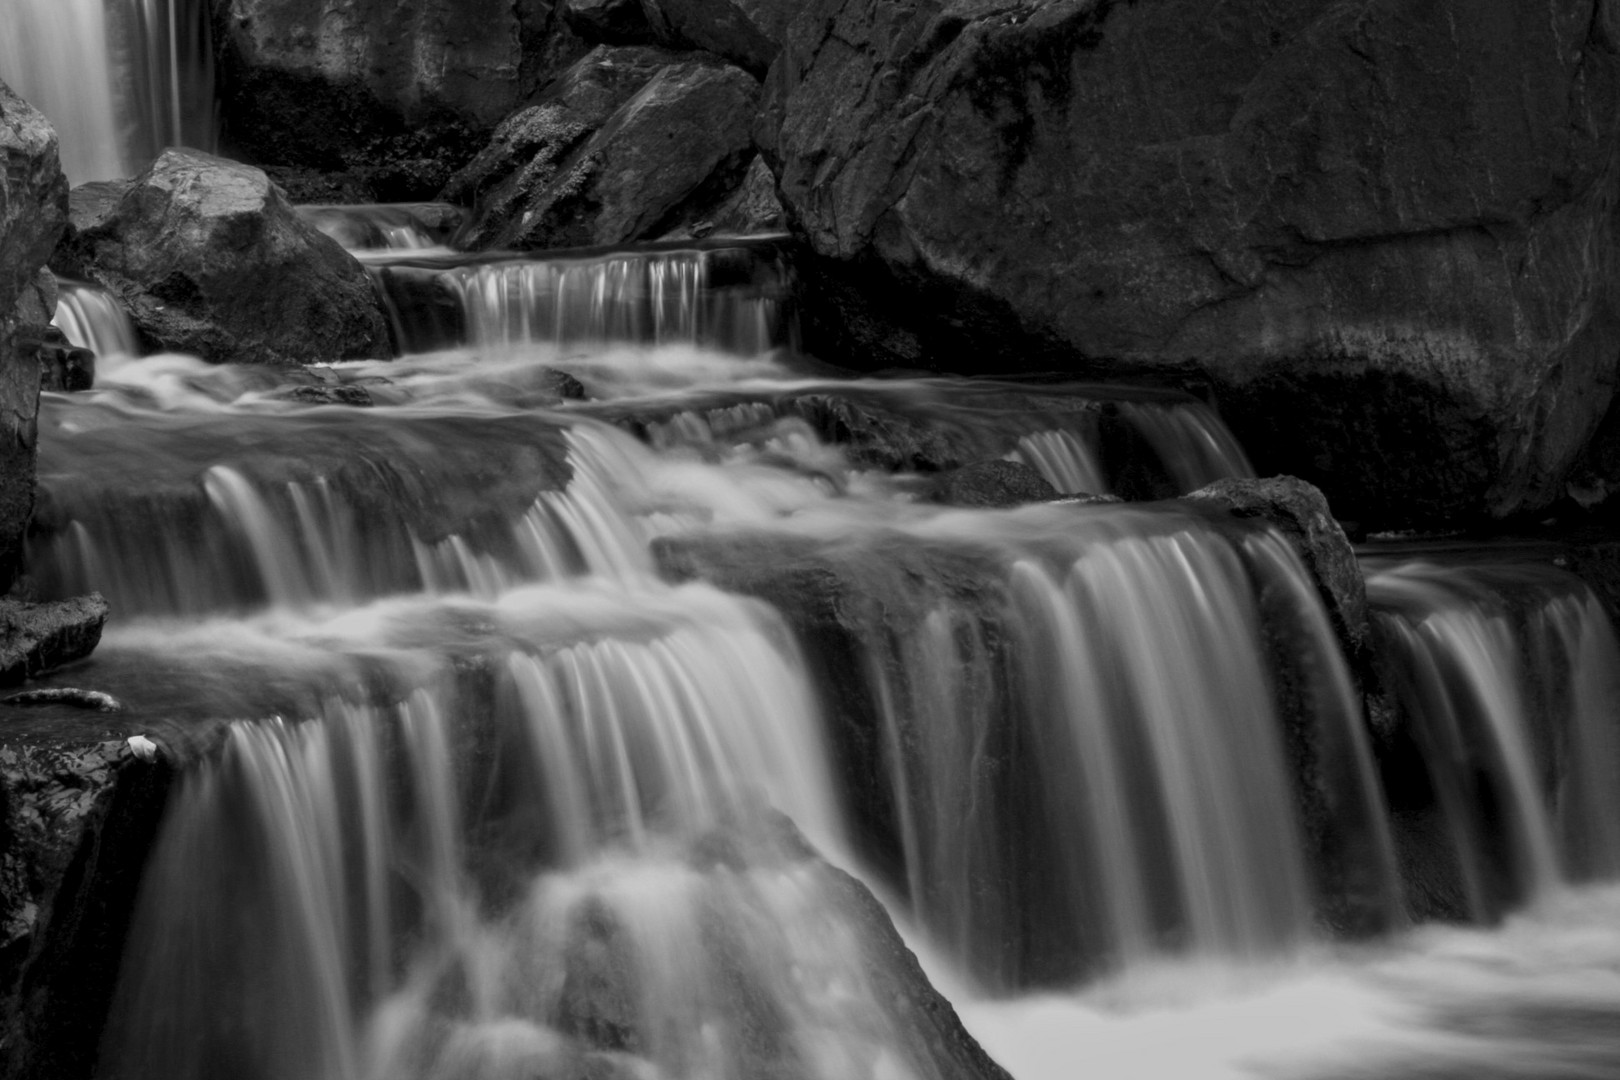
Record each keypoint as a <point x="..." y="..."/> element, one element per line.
<point x="143" y="748"/>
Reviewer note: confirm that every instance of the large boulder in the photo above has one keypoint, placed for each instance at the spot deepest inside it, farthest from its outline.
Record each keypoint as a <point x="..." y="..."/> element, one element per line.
<point x="749" y="33"/>
<point x="33" y="211"/>
<point x="377" y="99"/>
<point x="1383" y="232"/>
<point x="668" y="152"/>
<point x="209" y="258"/>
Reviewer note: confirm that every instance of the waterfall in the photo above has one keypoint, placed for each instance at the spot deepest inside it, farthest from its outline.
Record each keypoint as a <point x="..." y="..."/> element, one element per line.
<point x="93" y="320"/>
<point x="120" y="80"/>
<point x="1508" y="677"/>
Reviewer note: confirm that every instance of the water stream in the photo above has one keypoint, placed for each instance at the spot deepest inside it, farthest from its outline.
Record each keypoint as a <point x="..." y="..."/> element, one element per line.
<point x="565" y="646"/>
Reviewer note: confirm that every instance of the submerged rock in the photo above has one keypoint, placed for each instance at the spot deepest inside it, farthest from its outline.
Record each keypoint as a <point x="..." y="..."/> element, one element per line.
<point x="995" y="483"/>
<point x="1387" y="271"/>
<point x="33" y="212"/>
<point x="601" y="162"/>
<point x="209" y="258"/>
<point x="35" y="638"/>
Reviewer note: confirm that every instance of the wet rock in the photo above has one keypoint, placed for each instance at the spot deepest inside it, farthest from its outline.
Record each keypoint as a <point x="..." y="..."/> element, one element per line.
<point x="65" y="695"/>
<point x="995" y="483"/>
<point x="79" y="812"/>
<point x="741" y="871"/>
<point x="1300" y="512"/>
<point x="373" y="100"/>
<point x="33" y="213"/>
<point x="209" y="258"/>
<point x="1322" y="211"/>
<point x="35" y="638"/>
<point x="328" y="394"/>
<point x="673" y="149"/>
<point x="62" y="365"/>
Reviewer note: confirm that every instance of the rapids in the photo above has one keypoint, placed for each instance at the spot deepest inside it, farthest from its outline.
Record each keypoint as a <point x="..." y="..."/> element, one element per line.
<point x="555" y="654"/>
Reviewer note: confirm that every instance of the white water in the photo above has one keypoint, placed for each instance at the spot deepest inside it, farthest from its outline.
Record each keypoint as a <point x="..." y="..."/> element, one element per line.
<point x="513" y="818"/>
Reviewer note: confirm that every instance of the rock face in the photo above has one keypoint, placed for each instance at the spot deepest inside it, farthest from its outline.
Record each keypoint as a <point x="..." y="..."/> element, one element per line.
<point x="614" y="153"/>
<point x="209" y="258"/>
<point x="748" y="33"/>
<point x="37" y="637"/>
<point x="1383" y="232"/>
<point x="33" y="211"/>
<point x="79" y="811"/>
<point x="393" y="96"/>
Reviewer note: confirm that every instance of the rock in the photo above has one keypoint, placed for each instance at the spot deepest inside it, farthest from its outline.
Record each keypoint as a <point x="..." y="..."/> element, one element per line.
<point x="752" y="209"/>
<point x="1375" y="231"/>
<point x="37" y="637"/>
<point x="1300" y="512"/>
<point x="527" y="147"/>
<point x="327" y="394"/>
<point x="209" y="258"/>
<point x="72" y="696"/>
<point x="743" y="910"/>
<point x="63" y="365"/>
<point x="995" y="483"/>
<point x="609" y="22"/>
<point x="79" y="812"/>
<point x="749" y="33"/>
<point x="377" y="100"/>
<point x="674" y="149"/>
<point x="33" y="213"/>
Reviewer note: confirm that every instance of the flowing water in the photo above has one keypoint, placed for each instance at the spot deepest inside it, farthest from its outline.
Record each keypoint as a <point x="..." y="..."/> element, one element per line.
<point x="120" y="80"/>
<point x="562" y="649"/>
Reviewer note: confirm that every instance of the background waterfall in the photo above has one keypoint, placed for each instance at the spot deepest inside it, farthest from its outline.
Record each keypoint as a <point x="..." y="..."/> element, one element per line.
<point x="118" y="79"/>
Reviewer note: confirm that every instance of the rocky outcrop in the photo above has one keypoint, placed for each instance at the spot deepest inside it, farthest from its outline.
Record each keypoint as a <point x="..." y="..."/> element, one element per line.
<point x="33" y="211"/>
<point x="34" y="638"/>
<point x="209" y="258"/>
<point x="599" y="163"/>
<point x="748" y="33"/>
<point x="993" y="483"/>
<point x="1382" y="232"/>
<point x="377" y="100"/>
<point x="80" y="807"/>
<point x="1300" y="513"/>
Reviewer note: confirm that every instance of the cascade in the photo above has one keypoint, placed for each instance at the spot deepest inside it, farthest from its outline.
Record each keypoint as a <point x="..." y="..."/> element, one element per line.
<point x="118" y="80"/>
<point x="568" y="680"/>
<point x="93" y="320"/>
<point x="1508" y="679"/>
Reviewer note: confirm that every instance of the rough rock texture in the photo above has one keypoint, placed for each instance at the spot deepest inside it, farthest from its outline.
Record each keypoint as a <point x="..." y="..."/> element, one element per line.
<point x="750" y="210"/>
<point x="79" y="811"/>
<point x="1300" y="512"/>
<point x="526" y="149"/>
<point x="672" y="150"/>
<point x="209" y="258"/>
<point x="749" y="33"/>
<point x="378" y="100"/>
<point x="1383" y="231"/>
<point x="37" y="637"/>
<point x="612" y="22"/>
<point x="33" y="211"/>
<point x="994" y="483"/>
<point x="63" y="365"/>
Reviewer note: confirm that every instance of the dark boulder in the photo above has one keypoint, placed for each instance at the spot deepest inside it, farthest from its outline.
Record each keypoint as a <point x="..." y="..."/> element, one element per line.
<point x="209" y="258"/>
<point x="377" y="100"/>
<point x="749" y="33"/>
<point x="33" y="212"/>
<point x="81" y="799"/>
<point x="1300" y="512"/>
<point x="35" y="638"/>
<point x="526" y="150"/>
<point x="1379" y="232"/>
<point x="63" y="365"/>
<point x="752" y="209"/>
<point x="609" y="22"/>
<point x="995" y="483"/>
<point x="675" y="148"/>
